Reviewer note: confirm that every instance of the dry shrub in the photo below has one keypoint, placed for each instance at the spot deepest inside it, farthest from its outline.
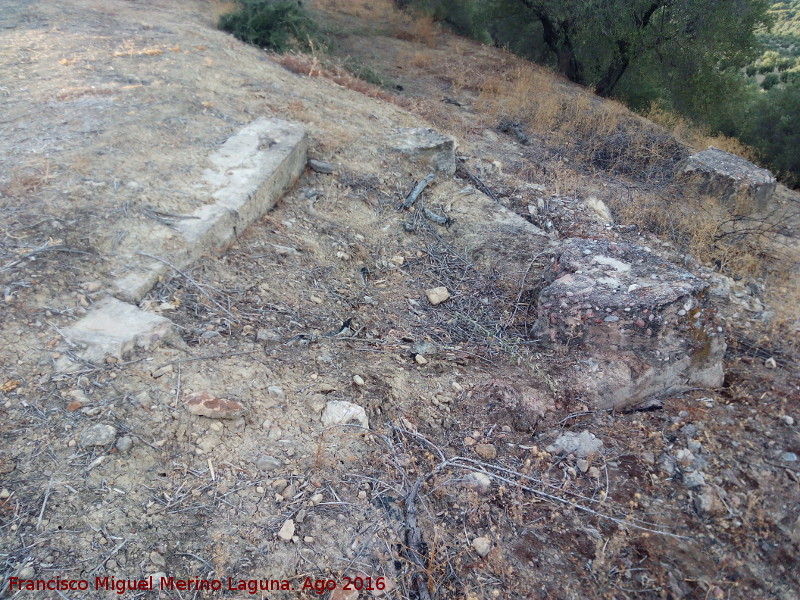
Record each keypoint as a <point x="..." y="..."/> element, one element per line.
<point x="420" y="60"/>
<point x="221" y="7"/>
<point x="310" y="66"/>
<point x="696" y="136"/>
<point x="375" y="11"/>
<point x="418" y="28"/>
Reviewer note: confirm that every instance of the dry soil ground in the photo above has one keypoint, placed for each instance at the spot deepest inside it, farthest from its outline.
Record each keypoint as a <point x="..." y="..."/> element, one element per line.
<point x="110" y="110"/>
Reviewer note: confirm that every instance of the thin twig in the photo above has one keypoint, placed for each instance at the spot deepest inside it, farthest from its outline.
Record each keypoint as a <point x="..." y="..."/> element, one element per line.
<point x="44" y="504"/>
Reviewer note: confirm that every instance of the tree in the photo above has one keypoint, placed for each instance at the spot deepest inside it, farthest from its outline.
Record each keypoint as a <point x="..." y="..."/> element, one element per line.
<point x="597" y="42"/>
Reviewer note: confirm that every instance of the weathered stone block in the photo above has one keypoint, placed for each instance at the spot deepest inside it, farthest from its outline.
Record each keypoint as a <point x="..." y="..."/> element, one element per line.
<point x="642" y="323"/>
<point x="248" y="174"/>
<point x="114" y="328"/>
<point x="734" y="179"/>
<point x="427" y="146"/>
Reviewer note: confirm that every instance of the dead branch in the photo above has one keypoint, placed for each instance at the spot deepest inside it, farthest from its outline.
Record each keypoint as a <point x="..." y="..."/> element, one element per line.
<point x="417" y="191"/>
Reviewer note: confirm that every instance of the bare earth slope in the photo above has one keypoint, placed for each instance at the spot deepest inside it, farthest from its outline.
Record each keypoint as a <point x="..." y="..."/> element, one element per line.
<point x="110" y="110"/>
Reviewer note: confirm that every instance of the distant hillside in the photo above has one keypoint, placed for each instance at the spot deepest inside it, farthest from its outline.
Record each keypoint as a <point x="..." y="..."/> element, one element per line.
<point x="787" y="18"/>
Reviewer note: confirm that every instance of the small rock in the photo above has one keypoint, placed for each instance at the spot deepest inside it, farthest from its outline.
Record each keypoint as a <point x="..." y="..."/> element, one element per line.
<point x="397" y="260"/>
<point x="279" y="485"/>
<point x="600" y="209"/>
<point x="770" y="363"/>
<point x="694" y="479"/>
<point x="308" y="539"/>
<point x="268" y="463"/>
<point x="358" y="380"/>
<point x="789" y="457"/>
<point x="4" y="494"/>
<point x="486" y="451"/>
<point x="316" y="499"/>
<point x="161" y="371"/>
<point x="289" y="492"/>
<point x="594" y="472"/>
<point x="157" y="559"/>
<point x="27" y="572"/>
<point x="421" y="360"/>
<point x="581" y="444"/>
<point x="787" y="420"/>
<point x="286" y="532"/>
<point x="98" y="434"/>
<point x="124" y="443"/>
<point x="437" y="295"/>
<point x="708" y="503"/>
<point x="276" y="392"/>
<point x="267" y="335"/>
<point x="341" y="412"/>
<point x="481" y="481"/>
<point x="582" y="464"/>
<point x="362" y="495"/>
<point x="321" y="166"/>
<point x="482" y="546"/>
<point x="205" y="404"/>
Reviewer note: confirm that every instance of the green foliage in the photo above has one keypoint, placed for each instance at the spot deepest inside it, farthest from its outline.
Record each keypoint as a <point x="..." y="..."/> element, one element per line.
<point x="464" y="17"/>
<point x="771" y="124"/>
<point x="769" y="81"/>
<point x="687" y="56"/>
<point x="278" y="25"/>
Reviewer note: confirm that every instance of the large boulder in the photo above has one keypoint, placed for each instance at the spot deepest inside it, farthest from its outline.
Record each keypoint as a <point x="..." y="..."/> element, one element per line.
<point x="735" y="180"/>
<point x="641" y="324"/>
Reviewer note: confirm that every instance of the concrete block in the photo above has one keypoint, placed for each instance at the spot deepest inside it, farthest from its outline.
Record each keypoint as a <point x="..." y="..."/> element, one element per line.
<point x="114" y="328"/>
<point x="249" y="173"/>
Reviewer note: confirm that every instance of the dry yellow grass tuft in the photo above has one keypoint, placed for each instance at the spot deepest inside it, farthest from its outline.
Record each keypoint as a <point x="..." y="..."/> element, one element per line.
<point x="695" y="135"/>
<point x="310" y="66"/>
<point x="418" y="28"/>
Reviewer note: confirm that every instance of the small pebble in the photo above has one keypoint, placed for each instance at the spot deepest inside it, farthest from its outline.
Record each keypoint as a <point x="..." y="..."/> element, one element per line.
<point x="482" y="545"/>
<point x="421" y="360"/>
<point x="787" y="420"/>
<point x="358" y="380"/>
<point x="124" y="443"/>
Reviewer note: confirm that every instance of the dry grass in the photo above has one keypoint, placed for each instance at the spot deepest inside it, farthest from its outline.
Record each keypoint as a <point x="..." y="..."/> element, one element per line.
<point x="696" y="136"/>
<point x="418" y="28"/>
<point x="221" y="7"/>
<point x="420" y="60"/>
<point x="311" y="66"/>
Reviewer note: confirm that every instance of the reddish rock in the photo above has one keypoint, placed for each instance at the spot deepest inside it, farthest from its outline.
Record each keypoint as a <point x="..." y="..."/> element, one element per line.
<point x="205" y="404"/>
